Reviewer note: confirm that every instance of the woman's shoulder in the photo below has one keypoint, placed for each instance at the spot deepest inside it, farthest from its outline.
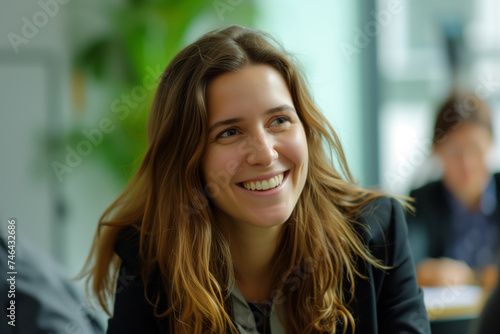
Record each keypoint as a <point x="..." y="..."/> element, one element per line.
<point x="389" y="299"/>
<point x="381" y="209"/>
<point x="378" y="208"/>
<point x="127" y="248"/>
<point x="381" y="222"/>
<point x="133" y="313"/>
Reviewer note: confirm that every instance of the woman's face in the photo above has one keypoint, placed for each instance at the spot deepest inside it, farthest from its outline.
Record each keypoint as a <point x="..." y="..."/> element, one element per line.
<point x="464" y="155"/>
<point x="256" y="159"/>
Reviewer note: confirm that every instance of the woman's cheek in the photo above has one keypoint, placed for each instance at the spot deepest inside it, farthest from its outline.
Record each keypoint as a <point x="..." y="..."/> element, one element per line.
<point x="296" y="146"/>
<point x="221" y="165"/>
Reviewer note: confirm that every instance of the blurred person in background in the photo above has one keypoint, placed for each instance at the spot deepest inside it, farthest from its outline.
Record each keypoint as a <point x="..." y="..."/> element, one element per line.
<point x="40" y="298"/>
<point x="454" y="232"/>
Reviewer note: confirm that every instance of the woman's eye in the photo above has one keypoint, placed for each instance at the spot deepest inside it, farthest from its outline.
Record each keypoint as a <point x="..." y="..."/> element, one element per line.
<point x="228" y="133"/>
<point x="280" y="120"/>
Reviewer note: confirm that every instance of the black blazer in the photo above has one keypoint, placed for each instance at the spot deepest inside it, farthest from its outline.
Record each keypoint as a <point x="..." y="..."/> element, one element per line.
<point x="430" y="228"/>
<point x="386" y="302"/>
<point x="489" y="321"/>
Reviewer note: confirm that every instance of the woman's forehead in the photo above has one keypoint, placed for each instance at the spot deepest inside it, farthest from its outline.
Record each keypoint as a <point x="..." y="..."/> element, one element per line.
<point x="256" y="88"/>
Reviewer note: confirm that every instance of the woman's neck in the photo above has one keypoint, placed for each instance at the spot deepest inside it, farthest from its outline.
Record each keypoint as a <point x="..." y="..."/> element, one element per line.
<point x="252" y="249"/>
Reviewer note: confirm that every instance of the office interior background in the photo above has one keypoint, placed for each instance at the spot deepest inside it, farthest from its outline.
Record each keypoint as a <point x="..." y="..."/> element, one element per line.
<point x="77" y="79"/>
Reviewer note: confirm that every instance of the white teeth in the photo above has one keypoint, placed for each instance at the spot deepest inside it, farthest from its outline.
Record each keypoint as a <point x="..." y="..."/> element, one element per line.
<point x="265" y="184"/>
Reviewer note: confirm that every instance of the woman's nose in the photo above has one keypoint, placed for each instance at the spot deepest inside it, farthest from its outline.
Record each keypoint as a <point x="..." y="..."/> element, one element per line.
<point x="261" y="149"/>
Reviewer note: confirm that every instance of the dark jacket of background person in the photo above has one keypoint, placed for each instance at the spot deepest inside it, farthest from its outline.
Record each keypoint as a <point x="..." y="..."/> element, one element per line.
<point x="46" y="302"/>
<point x="489" y="321"/>
<point x="431" y="229"/>
<point x="386" y="302"/>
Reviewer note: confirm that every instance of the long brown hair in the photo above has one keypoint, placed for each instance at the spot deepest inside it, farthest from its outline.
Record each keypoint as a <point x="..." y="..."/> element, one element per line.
<point x="167" y="203"/>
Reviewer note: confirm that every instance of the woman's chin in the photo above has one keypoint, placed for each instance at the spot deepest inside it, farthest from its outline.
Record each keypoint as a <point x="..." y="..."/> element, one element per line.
<point x="268" y="220"/>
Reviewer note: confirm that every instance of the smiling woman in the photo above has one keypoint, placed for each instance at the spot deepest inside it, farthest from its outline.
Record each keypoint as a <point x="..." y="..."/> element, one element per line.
<point x="265" y="140"/>
<point x="237" y="220"/>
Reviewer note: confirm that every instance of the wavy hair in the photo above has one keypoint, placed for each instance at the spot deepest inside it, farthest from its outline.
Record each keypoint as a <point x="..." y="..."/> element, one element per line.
<point x="179" y="239"/>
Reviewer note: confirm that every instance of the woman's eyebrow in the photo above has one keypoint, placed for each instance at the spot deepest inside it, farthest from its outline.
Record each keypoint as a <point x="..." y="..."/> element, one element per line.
<point x="283" y="107"/>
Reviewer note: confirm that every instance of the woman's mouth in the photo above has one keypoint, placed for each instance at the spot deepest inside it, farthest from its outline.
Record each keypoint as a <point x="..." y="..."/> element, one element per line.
<point x="263" y="185"/>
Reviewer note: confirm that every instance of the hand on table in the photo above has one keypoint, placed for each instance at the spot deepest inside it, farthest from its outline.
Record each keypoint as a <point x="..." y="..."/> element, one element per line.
<point x="444" y="272"/>
<point x="489" y="276"/>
